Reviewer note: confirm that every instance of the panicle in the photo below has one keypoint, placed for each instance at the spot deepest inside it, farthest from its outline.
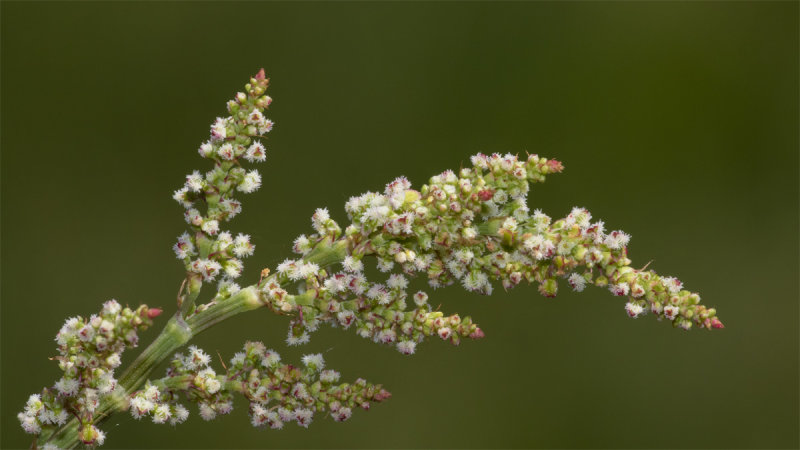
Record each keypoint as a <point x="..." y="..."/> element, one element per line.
<point x="233" y="140"/>
<point x="89" y="352"/>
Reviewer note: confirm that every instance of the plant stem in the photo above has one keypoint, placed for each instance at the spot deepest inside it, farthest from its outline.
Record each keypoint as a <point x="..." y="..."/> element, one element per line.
<point x="175" y="334"/>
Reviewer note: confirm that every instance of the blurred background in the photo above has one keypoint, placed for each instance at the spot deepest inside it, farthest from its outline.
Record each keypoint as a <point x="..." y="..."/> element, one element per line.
<point x="676" y="121"/>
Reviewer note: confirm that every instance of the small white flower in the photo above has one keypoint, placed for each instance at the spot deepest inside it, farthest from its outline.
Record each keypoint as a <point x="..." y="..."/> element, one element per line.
<point x="469" y="233"/>
<point x="184" y="248"/>
<point x="34" y="405"/>
<point x="29" y="423"/>
<point x="346" y="318"/>
<point x="291" y="339"/>
<point x="256" y="153"/>
<point x="510" y="224"/>
<point x="180" y="197"/>
<point x="579" y="216"/>
<point x="226" y="152"/>
<point x="211" y="227"/>
<point x="302" y="245"/>
<point x="255" y="117"/>
<point x="577" y="282"/>
<point x="207" y="412"/>
<point x="196" y="358"/>
<point x="206" y="150"/>
<point x="286" y="415"/>
<point x="352" y="264"/>
<point x="251" y="182"/>
<point x="329" y="376"/>
<point x="99" y="436"/>
<point x="194" y="181"/>
<point x="218" y="131"/>
<point x="397" y="281"/>
<point x="500" y="197"/>
<point x="406" y="347"/>
<point x="212" y="385"/>
<point x="314" y="361"/>
<point x="475" y="281"/>
<point x="319" y="219"/>
<point x="378" y="293"/>
<point x="672" y="284"/>
<point x="233" y="268"/>
<point x="67" y="386"/>
<point x="620" y="289"/>
<point x="140" y="406"/>
<point x="633" y="309"/>
<point x="242" y="246"/>
<point x="480" y="161"/>
<point x="161" y="413"/>
<point x="288" y="267"/>
<point x="193" y="217"/>
<point x="180" y="415"/>
<point x="113" y="361"/>
<point x="265" y="126"/>
<point x="617" y="239"/>
<point x="306" y="270"/>
<point x="270" y="358"/>
<point x="671" y="312"/>
<point x="151" y="393"/>
<point x="304" y="417"/>
<point x="336" y="283"/>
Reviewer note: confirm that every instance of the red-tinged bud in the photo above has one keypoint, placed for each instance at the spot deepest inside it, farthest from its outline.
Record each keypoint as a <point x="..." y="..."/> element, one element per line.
<point x="382" y="395"/>
<point x="715" y="323"/>
<point x="152" y="313"/>
<point x="261" y="74"/>
<point x="555" y="166"/>
<point x="486" y="195"/>
<point x="477" y="334"/>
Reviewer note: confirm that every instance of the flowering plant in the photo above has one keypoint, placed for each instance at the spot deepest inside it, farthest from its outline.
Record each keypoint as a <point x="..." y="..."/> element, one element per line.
<point x="471" y="227"/>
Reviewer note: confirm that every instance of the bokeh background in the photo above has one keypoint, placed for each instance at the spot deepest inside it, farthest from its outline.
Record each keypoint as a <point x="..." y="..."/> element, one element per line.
<point x="676" y="121"/>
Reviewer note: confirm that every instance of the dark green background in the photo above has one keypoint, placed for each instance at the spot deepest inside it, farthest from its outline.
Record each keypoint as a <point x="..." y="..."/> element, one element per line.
<point x="677" y="122"/>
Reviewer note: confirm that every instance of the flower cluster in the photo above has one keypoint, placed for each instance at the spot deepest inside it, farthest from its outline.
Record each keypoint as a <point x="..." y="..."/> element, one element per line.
<point x="383" y="312"/>
<point x="208" y="252"/>
<point x="89" y="352"/>
<point x="474" y="228"/>
<point x="278" y="393"/>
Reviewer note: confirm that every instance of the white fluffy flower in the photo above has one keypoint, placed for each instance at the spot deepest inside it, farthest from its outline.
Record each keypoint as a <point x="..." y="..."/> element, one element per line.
<point x="251" y="182"/>
<point x="242" y="246"/>
<point x="211" y="227"/>
<point x="672" y="284"/>
<point x="620" y="289"/>
<point x="397" y="281"/>
<point x="633" y="309"/>
<point x="161" y="413"/>
<point x="314" y="361"/>
<point x="577" y="282"/>
<point x="256" y="153"/>
<point x="194" y="181"/>
<point x="206" y="150"/>
<point x="180" y="415"/>
<point x="406" y="347"/>
<point x="226" y="152"/>
<point x="671" y="312"/>
<point x="352" y="264"/>
<point x="67" y="386"/>
<point x="218" y="131"/>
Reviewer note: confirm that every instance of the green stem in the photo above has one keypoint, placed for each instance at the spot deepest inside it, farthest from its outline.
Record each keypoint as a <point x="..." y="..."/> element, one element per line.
<point x="175" y="334"/>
